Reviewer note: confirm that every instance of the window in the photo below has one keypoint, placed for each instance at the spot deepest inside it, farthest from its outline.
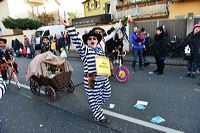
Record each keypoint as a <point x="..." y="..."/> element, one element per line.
<point x="107" y="8"/>
<point x="89" y="6"/>
<point x="46" y="33"/>
<point x="95" y="4"/>
<point x="38" y="33"/>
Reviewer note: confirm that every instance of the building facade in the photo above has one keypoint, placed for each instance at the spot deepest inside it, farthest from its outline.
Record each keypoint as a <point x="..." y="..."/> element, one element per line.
<point x="96" y="12"/>
<point x="96" y="7"/>
<point x="180" y="8"/>
<point x="26" y="8"/>
<point x="140" y="9"/>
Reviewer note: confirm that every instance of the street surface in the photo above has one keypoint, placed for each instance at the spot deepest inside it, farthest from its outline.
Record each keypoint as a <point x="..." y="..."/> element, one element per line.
<point x="172" y="96"/>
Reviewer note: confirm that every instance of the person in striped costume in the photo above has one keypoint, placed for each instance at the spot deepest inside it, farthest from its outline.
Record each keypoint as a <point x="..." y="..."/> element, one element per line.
<point x="3" y="87"/>
<point x="97" y="88"/>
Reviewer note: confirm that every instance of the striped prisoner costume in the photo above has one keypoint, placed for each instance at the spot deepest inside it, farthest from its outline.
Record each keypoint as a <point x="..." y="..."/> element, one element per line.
<point x="101" y="91"/>
<point x="3" y="87"/>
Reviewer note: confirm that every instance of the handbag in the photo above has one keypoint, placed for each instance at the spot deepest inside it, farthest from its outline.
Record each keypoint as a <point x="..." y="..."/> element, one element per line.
<point x="63" y="54"/>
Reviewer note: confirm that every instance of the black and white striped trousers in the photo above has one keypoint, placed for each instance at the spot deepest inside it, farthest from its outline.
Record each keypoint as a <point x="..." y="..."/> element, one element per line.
<point x="98" y="95"/>
<point x="3" y="87"/>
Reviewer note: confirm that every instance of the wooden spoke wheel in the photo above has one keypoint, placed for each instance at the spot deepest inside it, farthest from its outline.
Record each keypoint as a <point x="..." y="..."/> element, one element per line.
<point x="35" y="88"/>
<point x="50" y="93"/>
<point x="71" y="86"/>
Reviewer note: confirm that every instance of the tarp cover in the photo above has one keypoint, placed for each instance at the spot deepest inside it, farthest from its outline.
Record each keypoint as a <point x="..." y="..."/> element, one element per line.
<point x="37" y="65"/>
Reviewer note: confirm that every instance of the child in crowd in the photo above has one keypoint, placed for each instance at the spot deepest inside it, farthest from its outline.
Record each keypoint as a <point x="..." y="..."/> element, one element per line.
<point x="45" y="44"/>
<point x="5" y="59"/>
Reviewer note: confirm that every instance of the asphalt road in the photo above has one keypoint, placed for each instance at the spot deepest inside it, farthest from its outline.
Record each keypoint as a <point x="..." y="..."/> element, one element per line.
<point x="171" y="96"/>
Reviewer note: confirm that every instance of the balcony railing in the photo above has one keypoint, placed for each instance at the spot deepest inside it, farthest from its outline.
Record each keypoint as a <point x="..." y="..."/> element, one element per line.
<point x="152" y="8"/>
<point x="126" y="5"/>
<point x="36" y="1"/>
<point x="92" y="20"/>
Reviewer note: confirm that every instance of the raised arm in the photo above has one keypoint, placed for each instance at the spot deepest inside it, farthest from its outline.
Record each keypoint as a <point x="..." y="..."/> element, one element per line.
<point x="118" y="26"/>
<point x="81" y="48"/>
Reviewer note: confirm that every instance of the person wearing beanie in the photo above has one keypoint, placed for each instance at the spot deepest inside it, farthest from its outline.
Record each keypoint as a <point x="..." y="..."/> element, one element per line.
<point x="194" y="44"/>
<point x="160" y="49"/>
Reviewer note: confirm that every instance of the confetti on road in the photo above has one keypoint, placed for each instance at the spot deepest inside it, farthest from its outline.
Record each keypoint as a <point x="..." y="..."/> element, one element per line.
<point x="142" y="102"/>
<point x="141" y="105"/>
<point x="150" y="73"/>
<point x="111" y="106"/>
<point x="157" y="119"/>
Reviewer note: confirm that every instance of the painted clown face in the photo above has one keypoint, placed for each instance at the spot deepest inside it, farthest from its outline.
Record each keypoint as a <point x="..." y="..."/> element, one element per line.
<point x="92" y="41"/>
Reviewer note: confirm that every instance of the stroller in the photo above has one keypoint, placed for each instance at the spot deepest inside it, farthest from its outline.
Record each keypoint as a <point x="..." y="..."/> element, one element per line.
<point x="50" y="71"/>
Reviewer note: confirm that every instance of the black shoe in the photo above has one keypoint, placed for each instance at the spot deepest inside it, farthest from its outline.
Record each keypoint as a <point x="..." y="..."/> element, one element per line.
<point x="160" y="73"/>
<point x="193" y="75"/>
<point x="188" y="75"/>
<point x="146" y="64"/>
<point x="104" y="121"/>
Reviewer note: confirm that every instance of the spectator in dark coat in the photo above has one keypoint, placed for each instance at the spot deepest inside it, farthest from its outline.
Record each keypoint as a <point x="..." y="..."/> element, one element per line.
<point x="146" y="47"/>
<point x="110" y="45"/>
<point x="194" y="44"/>
<point x="15" y="44"/>
<point x="68" y="41"/>
<point x="61" y="42"/>
<point x="160" y="49"/>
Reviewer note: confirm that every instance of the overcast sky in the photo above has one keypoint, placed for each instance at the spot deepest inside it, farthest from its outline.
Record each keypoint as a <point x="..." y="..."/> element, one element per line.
<point x="72" y="5"/>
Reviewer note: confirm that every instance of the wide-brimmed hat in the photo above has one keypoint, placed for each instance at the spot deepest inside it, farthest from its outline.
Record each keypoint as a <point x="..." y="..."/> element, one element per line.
<point x="196" y="25"/>
<point x="4" y="40"/>
<point x="91" y="33"/>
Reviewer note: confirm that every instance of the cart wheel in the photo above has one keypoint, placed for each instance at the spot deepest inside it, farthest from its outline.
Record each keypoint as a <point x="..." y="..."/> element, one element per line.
<point x="35" y="88"/>
<point x="50" y="93"/>
<point x="71" y="86"/>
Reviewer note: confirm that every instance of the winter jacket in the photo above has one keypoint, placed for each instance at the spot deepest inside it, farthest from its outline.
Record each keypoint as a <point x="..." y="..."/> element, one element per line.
<point x="61" y="43"/>
<point x="195" y="47"/>
<point x="160" y="48"/>
<point x="134" y="41"/>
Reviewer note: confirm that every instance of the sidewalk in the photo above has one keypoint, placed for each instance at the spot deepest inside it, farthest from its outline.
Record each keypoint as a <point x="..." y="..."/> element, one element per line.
<point x="129" y="58"/>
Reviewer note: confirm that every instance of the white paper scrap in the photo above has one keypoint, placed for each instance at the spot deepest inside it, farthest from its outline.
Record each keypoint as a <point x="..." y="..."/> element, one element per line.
<point x="142" y="102"/>
<point x="111" y="106"/>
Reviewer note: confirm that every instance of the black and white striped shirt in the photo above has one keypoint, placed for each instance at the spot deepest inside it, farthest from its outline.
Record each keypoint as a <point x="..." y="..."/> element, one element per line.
<point x="86" y="53"/>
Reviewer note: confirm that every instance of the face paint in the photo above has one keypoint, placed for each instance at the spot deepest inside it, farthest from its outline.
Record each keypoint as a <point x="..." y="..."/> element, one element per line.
<point x="92" y="41"/>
